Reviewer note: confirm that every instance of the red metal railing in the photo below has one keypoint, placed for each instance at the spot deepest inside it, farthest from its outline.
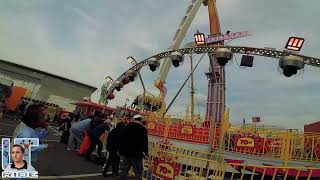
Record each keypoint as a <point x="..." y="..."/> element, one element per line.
<point x="184" y="132"/>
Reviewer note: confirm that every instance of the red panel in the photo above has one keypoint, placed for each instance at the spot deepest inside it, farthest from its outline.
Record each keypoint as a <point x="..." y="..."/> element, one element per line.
<point x="314" y="127"/>
<point x="14" y="99"/>
<point x="199" y="135"/>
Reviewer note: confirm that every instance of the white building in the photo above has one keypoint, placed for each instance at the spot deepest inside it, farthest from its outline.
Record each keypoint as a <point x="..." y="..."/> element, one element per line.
<point x="44" y="86"/>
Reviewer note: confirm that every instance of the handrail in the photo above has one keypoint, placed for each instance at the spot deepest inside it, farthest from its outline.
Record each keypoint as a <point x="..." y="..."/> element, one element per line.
<point x="299" y="146"/>
<point x="167" y="163"/>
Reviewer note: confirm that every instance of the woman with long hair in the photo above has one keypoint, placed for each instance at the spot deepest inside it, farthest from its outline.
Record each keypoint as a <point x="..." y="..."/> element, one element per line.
<point x="33" y="126"/>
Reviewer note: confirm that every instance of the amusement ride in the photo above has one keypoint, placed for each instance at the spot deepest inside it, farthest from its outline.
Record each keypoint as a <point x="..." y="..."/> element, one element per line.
<point x="212" y="148"/>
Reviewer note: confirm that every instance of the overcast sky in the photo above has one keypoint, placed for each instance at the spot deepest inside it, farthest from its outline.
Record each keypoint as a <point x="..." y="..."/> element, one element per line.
<point x="88" y="40"/>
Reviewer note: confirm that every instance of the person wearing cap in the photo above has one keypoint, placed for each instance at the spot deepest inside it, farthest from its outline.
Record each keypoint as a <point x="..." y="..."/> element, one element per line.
<point x="133" y="147"/>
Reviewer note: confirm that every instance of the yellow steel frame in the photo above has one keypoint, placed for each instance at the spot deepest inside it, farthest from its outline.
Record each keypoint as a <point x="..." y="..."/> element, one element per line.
<point x="202" y="165"/>
<point x="288" y="145"/>
<point x="285" y="145"/>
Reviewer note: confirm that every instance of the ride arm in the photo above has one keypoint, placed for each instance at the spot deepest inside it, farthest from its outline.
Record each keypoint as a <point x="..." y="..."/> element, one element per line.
<point x="213" y="17"/>
<point x="176" y="42"/>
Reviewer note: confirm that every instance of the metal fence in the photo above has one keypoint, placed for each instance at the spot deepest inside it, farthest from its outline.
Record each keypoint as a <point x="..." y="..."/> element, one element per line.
<point x="168" y="162"/>
<point x="265" y="142"/>
<point x="275" y="145"/>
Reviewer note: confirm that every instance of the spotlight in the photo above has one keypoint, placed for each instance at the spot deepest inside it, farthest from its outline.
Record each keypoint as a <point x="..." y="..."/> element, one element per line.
<point x="290" y="65"/>
<point x="153" y="64"/>
<point x="223" y="55"/>
<point x="131" y="75"/>
<point x="176" y="58"/>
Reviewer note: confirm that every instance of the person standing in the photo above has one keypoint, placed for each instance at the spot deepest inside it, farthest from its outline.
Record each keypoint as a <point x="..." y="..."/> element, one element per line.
<point x="133" y="148"/>
<point x="20" y="110"/>
<point x="113" y="142"/>
<point x="65" y="128"/>
<point x="77" y="117"/>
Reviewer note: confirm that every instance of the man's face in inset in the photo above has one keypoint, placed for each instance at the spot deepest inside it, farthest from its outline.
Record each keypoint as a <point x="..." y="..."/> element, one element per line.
<point x="17" y="154"/>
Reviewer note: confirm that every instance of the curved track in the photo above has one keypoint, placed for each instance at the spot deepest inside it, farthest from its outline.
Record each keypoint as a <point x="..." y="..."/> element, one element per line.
<point x="210" y="49"/>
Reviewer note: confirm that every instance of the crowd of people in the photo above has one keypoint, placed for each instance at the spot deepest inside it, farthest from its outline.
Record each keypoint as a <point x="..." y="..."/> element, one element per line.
<point x="125" y="138"/>
<point x="126" y="142"/>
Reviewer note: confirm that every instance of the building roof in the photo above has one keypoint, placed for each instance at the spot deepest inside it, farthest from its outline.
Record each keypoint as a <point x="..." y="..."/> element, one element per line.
<point x="312" y="124"/>
<point x="47" y="74"/>
<point x="312" y="128"/>
<point x="87" y="103"/>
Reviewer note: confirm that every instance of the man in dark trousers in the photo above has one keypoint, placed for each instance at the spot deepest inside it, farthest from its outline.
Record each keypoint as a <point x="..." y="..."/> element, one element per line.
<point x="94" y="135"/>
<point x="133" y="148"/>
<point x="113" y="142"/>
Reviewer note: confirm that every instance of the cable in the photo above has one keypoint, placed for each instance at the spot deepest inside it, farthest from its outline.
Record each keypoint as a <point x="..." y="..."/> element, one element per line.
<point x="235" y="56"/>
<point x="174" y="98"/>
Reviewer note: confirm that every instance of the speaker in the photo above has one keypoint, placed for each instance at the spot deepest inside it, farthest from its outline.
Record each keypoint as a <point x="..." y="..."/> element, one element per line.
<point x="247" y="61"/>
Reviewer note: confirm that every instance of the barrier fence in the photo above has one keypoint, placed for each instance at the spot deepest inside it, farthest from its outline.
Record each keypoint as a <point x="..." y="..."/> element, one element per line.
<point x="284" y="145"/>
<point x="271" y="172"/>
<point x="183" y="132"/>
<point x="166" y="146"/>
<point x="166" y="162"/>
<point x="275" y="144"/>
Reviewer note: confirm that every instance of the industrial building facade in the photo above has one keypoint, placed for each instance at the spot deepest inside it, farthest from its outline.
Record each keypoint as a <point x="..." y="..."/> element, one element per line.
<point x="44" y="86"/>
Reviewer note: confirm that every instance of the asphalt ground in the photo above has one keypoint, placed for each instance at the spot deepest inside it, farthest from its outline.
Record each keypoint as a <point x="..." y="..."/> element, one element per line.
<point x="57" y="163"/>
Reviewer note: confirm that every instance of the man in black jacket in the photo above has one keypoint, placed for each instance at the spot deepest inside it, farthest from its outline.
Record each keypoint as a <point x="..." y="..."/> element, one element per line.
<point x="96" y="120"/>
<point x="133" y="148"/>
<point x="94" y="135"/>
<point x="113" y="142"/>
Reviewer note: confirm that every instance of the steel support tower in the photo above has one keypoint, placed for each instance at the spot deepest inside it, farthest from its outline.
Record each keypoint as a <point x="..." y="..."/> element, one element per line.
<point x="216" y="74"/>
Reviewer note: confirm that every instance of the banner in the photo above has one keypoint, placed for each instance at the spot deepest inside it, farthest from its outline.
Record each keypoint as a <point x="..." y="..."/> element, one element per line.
<point x="221" y="37"/>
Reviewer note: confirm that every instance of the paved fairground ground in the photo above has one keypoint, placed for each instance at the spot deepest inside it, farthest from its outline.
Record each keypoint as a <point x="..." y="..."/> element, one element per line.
<point x="56" y="163"/>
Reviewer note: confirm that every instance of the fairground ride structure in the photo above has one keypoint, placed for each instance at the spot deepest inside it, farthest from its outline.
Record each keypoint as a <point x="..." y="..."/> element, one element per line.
<point x="250" y="149"/>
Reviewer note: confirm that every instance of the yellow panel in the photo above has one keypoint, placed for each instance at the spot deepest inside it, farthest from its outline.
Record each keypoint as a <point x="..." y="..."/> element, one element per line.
<point x="28" y="94"/>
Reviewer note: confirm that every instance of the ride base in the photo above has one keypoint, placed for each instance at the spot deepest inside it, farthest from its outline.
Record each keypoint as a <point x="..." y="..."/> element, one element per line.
<point x="250" y="151"/>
